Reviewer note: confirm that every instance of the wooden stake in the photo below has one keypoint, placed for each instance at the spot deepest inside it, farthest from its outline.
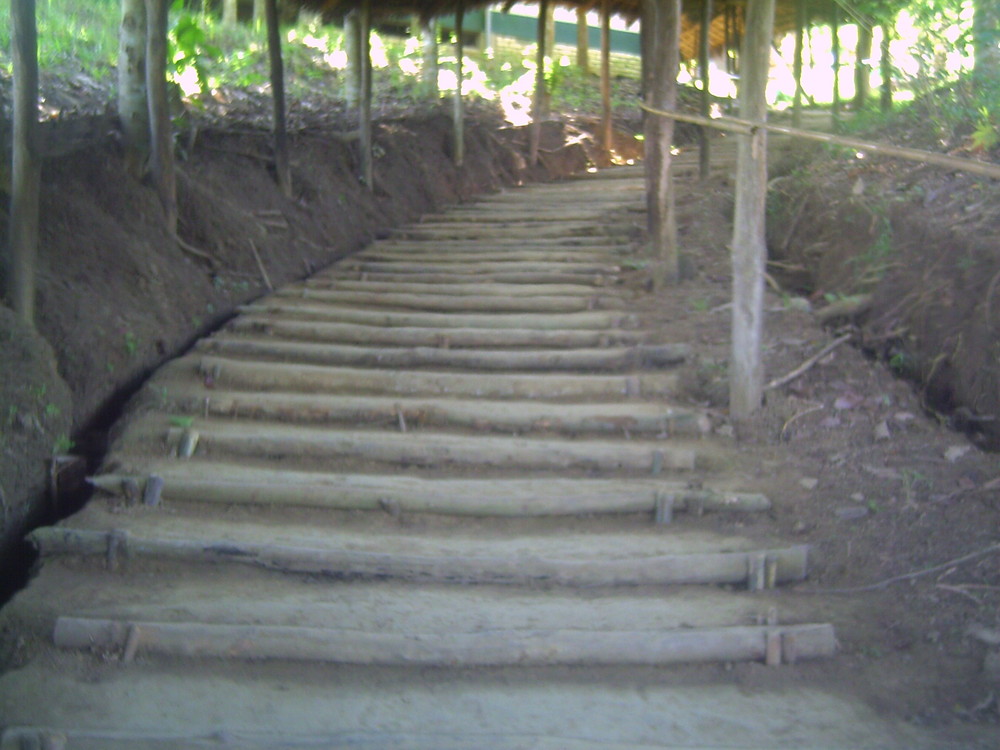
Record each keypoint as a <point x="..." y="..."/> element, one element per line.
<point x="260" y="266"/>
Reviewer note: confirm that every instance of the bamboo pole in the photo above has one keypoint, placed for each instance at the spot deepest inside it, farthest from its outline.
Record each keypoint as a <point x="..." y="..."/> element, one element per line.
<point x="704" y="40"/>
<point x="885" y="67"/>
<point x="800" y="24"/>
<point x="538" y="103"/>
<point x="457" y="303"/>
<point x="457" y="276"/>
<point x="365" y="110"/>
<point x="429" y="56"/>
<point x="282" y="166"/>
<point x="636" y="570"/>
<point x="203" y="482"/>
<point x="607" y="132"/>
<point x="459" y="103"/>
<point x="25" y="165"/>
<point x="582" y="40"/>
<point x="835" y="52"/>
<point x="749" y="249"/>
<point x="490" y="648"/>
<point x="486" y="289"/>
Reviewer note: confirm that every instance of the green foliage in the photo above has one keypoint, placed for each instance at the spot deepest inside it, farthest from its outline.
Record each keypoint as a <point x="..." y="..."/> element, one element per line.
<point x="63" y="444"/>
<point x="189" y="47"/>
<point x="985" y="137"/>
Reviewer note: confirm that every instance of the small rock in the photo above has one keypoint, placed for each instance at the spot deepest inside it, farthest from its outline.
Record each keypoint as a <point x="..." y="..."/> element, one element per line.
<point x="955" y="452"/>
<point x="798" y="303"/>
<point x="858" y="497"/>
<point x="809" y="483"/>
<point x="846" y="402"/>
<point x="800" y="527"/>
<point x="882" y="431"/>
<point x="903" y="417"/>
<point x="830" y="422"/>
<point x="851" y="514"/>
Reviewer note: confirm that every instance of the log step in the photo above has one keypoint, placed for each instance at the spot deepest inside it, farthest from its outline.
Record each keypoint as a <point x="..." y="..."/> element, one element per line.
<point x="477" y="289"/>
<point x="283" y="376"/>
<point x="608" y="359"/>
<point x="214" y="482"/>
<point x="450" y="276"/>
<point x="281" y="326"/>
<point x="476" y="269"/>
<point x="497" y="648"/>
<point x="405" y="413"/>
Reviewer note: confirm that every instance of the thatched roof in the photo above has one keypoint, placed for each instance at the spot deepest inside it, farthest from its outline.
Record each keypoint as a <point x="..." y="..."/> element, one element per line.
<point x="818" y="11"/>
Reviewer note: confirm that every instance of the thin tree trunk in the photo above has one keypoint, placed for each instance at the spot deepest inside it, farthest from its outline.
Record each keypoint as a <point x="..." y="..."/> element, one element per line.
<point x="230" y="12"/>
<point x="25" y="165"/>
<point x="607" y="138"/>
<point x="662" y="95"/>
<point x="352" y="46"/>
<point x="582" y="41"/>
<point x="538" y="103"/>
<point x="550" y="46"/>
<point x="986" y="39"/>
<point x="704" y="135"/>
<point x="459" y="112"/>
<point x="282" y="167"/>
<point x="885" y="65"/>
<point x="429" y="72"/>
<point x="259" y="12"/>
<point x="835" y="34"/>
<point x="800" y="23"/>
<point x="133" y="107"/>
<point x="862" y="68"/>
<point x="162" y="140"/>
<point x="365" y="110"/>
<point x="749" y="252"/>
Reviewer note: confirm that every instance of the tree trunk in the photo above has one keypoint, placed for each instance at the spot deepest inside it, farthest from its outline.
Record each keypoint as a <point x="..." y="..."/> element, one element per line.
<point x="659" y="136"/>
<point x="230" y="12"/>
<point x="133" y="107"/>
<point x="607" y="138"/>
<point x="704" y="135"/>
<point x="749" y="251"/>
<point x="429" y="71"/>
<point x="985" y="39"/>
<point x="885" y="64"/>
<point x="800" y="23"/>
<point x="862" y="67"/>
<point x="26" y="165"/>
<point x="459" y="110"/>
<point x="282" y="167"/>
<point x="365" y="110"/>
<point x="538" y="103"/>
<point x="582" y="41"/>
<point x="352" y="46"/>
<point x="259" y="12"/>
<point x="162" y="140"/>
<point x="835" y="51"/>
<point x="647" y="13"/>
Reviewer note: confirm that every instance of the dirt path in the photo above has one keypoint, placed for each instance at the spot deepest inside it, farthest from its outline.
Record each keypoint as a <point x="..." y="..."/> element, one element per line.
<point x="456" y="491"/>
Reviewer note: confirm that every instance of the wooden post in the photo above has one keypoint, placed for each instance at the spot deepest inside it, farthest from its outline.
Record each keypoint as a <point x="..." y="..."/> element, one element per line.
<point x="885" y="68"/>
<point x="835" y="50"/>
<point x="281" y="162"/>
<point x="800" y="23"/>
<point x="25" y="165"/>
<point x="133" y="109"/>
<point x="582" y="40"/>
<point x="352" y="46"/>
<point x="607" y="137"/>
<point x="429" y="71"/>
<point x="862" y="69"/>
<point x="365" y="110"/>
<point x="538" y="102"/>
<point x="662" y="95"/>
<point x="704" y="136"/>
<point x="749" y="251"/>
<point x="459" y="113"/>
<point x="162" y="140"/>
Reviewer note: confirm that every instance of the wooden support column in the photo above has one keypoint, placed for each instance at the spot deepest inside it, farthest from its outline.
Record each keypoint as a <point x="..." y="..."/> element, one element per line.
<point x="885" y="68"/>
<point x="800" y="24"/>
<point x="582" y="40"/>
<point x="162" y="140"/>
<point x="749" y="251"/>
<point x="25" y="165"/>
<point x="282" y="167"/>
<point x="835" y="50"/>
<point x="538" y="102"/>
<point x="662" y="223"/>
<point x="704" y="136"/>
<point x="365" y="108"/>
<point x="607" y="131"/>
<point x="459" y="113"/>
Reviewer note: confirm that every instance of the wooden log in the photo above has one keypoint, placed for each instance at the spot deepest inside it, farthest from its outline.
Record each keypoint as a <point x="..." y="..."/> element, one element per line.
<point x="314" y="378"/>
<point x="450" y="276"/>
<point x="485" y="289"/>
<point x="463" y="338"/>
<point x="498" y="416"/>
<point x="475" y="230"/>
<point x="635" y="570"/>
<point x="475" y="269"/>
<point x="306" y="310"/>
<point x="609" y="359"/>
<point x="490" y="648"/>
<point x="214" y="482"/>
<point x="430" y="254"/>
<point x="457" y="304"/>
<point x="503" y="242"/>
<point x="435" y="449"/>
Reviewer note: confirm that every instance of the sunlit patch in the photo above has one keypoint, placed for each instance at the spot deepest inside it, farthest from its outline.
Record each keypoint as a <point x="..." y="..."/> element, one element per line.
<point x="859" y="155"/>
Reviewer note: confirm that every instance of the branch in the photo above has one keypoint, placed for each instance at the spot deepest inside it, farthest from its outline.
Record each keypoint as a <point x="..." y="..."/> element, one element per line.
<point x="808" y="364"/>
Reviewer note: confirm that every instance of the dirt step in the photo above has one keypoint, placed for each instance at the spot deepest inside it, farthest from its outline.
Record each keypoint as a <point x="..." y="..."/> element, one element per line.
<point x="281" y="326"/>
<point x="404" y="413"/>
<point x="234" y="372"/>
<point x="497" y="303"/>
<point x="523" y="360"/>
<point x="212" y="481"/>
